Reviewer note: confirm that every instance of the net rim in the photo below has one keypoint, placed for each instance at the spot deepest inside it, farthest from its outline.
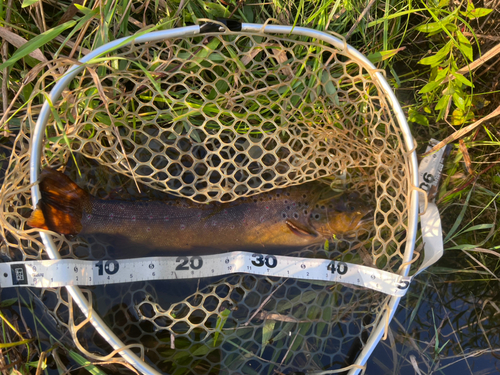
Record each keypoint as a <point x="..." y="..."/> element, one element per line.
<point x="156" y="36"/>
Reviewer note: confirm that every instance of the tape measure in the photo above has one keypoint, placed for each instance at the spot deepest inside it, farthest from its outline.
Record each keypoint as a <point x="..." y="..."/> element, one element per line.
<point x="64" y="272"/>
<point x="69" y="272"/>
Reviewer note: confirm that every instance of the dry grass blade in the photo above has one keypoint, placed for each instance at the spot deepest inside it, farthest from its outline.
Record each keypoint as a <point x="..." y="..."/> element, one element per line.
<point x="481" y="265"/>
<point x="353" y="28"/>
<point x="476" y="63"/>
<point x="470" y="181"/>
<point x="104" y="98"/>
<point x="245" y="60"/>
<point x="460" y="133"/>
<point x="279" y="318"/>
<point x="69" y="43"/>
<point x="465" y="154"/>
<point x="414" y="364"/>
<point x="277" y="52"/>
<point x="18" y="41"/>
<point x="39" y="369"/>
<point x="70" y="12"/>
<point x="482" y="36"/>
<point x="9" y="369"/>
<point x="5" y="57"/>
<point x="282" y="58"/>
<point x="486" y="251"/>
<point x="263" y="304"/>
<point x="30" y="76"/>
<point x="480" y="61"/>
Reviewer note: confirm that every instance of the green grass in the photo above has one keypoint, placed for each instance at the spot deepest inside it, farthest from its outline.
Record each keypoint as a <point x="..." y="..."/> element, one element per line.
<point x="421" y="45"/>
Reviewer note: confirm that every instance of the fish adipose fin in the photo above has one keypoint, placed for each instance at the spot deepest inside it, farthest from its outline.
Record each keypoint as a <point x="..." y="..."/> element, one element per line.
<point x="60" y="209"/>
<point x="300" y="229"/>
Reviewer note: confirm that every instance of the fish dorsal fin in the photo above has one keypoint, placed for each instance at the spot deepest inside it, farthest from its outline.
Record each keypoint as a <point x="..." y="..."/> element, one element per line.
<point x="300" y="229"/>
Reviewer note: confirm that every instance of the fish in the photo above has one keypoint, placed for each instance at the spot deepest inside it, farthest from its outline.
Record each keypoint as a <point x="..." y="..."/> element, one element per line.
<point x="281" y="219"/>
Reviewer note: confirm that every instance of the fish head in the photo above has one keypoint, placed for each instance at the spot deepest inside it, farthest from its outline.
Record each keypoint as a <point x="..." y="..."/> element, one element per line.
<point x="341" y="215"/>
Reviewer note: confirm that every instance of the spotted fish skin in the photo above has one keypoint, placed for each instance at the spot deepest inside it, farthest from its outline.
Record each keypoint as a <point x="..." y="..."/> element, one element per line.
<point x="283" y="218"/>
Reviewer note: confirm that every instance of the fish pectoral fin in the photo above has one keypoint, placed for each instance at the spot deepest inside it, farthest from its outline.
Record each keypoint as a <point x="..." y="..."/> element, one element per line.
<point x="300" y="229"/>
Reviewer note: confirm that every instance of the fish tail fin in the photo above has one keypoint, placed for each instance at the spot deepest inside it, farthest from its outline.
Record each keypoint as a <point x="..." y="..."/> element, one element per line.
<point x="37" y="220"/>
<point x="60" y="209"/>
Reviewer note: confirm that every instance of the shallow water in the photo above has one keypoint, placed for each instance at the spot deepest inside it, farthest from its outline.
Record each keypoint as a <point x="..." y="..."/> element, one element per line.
<point x="467" y="330"/>
<point x="451" y="307"/>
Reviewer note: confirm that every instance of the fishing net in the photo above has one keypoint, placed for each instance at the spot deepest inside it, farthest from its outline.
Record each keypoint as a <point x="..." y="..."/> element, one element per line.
<point x="214" y="118"/>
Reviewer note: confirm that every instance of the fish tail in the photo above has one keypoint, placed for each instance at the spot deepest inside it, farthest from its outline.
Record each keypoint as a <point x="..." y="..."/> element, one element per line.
<point x="62" y="204"/>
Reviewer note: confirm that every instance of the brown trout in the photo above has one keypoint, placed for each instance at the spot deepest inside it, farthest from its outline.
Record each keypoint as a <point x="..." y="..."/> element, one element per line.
<point x="290" y="217"/>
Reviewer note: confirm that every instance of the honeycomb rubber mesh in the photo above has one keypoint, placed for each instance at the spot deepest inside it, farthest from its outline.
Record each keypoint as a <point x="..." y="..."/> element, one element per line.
<point x="214" y="118"/>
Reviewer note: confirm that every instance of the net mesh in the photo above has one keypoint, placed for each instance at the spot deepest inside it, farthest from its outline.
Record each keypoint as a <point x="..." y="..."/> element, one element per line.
<point x="215" y="118"/>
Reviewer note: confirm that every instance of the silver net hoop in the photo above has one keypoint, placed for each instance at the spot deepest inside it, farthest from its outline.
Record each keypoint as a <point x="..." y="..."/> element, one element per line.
<point x="329" y="113"/>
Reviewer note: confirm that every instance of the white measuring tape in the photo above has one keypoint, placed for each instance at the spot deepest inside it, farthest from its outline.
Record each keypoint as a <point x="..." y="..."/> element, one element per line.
<point x="65" y="272"/>
<point x="429" y="174"/>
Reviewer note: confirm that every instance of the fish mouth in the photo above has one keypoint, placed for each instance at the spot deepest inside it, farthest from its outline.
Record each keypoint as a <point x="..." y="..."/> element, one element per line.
<point x="368" y="217"/>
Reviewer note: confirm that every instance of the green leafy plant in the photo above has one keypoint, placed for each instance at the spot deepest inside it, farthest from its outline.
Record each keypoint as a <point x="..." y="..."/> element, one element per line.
<point x="447" y="84"/>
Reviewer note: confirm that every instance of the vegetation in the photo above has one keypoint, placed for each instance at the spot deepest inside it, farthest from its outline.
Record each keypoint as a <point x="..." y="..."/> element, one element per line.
<point x="441" y="57"/>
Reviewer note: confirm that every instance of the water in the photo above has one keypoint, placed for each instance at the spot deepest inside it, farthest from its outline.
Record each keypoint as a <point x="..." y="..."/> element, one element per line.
<point x="460" y="315"/>
<point x="460" y="311"/>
